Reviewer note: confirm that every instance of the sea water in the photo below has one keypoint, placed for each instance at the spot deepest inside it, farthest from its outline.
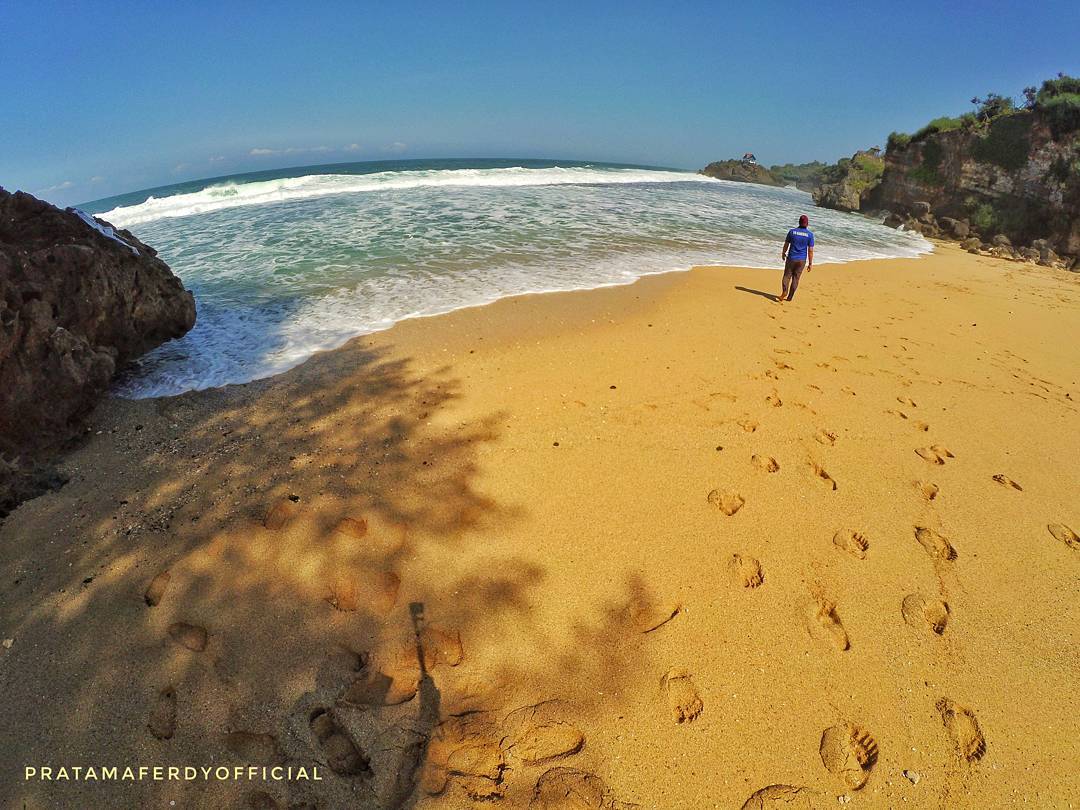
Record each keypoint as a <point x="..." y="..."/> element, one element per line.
<point x="287" y="263"/>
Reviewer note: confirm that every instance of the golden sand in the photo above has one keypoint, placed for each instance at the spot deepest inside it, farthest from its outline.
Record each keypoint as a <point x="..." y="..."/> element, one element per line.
<point x="663" y="545"/>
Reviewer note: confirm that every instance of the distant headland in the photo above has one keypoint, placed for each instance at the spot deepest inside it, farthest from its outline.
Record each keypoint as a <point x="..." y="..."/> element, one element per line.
<point x="1003" y="179"/>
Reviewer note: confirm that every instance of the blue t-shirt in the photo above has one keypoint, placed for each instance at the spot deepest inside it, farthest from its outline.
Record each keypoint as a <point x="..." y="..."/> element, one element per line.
<point x="800" y="239"/>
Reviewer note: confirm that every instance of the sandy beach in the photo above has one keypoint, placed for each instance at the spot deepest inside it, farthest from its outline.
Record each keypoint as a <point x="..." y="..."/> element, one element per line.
<point x="663" y="545"/>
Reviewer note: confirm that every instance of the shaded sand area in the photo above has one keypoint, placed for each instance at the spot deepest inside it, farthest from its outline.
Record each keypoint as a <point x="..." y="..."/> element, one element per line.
<point x="668" y="545"/>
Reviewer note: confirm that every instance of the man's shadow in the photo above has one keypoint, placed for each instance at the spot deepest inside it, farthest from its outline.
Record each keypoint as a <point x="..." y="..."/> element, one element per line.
<point x="762" y="293"/>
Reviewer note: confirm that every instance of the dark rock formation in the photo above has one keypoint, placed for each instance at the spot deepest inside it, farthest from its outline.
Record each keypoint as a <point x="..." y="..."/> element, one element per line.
<point x="740" y="171"/>
<point x="1003" y="172"/>
<point x="77" y="301"/>
<point x="1017" y="177"/>
<point x="845" y="184"/>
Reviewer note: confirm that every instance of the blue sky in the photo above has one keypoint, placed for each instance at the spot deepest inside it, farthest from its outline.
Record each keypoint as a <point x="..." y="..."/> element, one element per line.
<point x="106" y="97"/>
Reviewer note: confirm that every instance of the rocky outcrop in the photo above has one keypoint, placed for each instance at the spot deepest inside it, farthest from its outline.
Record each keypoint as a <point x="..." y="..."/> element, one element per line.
<point x="740" y="171"/>
<point x="1015" y="178"/>
<point x="844" y="184"/>
<point x="78" y="300"/>
<point x="804" y="176"/>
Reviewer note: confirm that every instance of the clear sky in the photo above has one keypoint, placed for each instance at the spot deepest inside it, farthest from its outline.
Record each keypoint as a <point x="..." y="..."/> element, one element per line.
<point x="105" y="97"/>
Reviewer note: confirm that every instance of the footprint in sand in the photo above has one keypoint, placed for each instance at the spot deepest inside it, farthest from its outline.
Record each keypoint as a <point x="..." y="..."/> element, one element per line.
<point x="824" y="477"/>
<point x="395" y="677"/>
<point x="774" y="400"/>
<point x="465" y="748"/>
<point x="727" y="502"/>
<point x="162" y="722"/>
<point x="342" y="755"/>
<point x="928" y="490"/>
<point x="281" y="512"/>
<point x="852" y="542"/>
<point x="682" y="696"/>
<point x="920" y="425"/>
<point x="894" y="412"/>
<point x="354" y="527"/>
<point x="825" y="437"/>
<point x="1063" y="533"/>
<point x="848" y="753"/>
<point x="963" y="728"/>
<point x="749" y="425"/>
<point x="766" y="463"/>
<point x="935" y="453"/>
<point x="1005" y="481"/>
<point x="824" y="624"/>
<point x="785" y="797"/>
<point x="906" y="401"/>
<point x="921" y="613"/>
<point x="375" y="590"/>
<point x="936" y="545"/>
<point x="745" y="571"/>
<point x="782" y="366"/>
<point x="155" y="591"/>
<point x="191" y="636"/>
<point x="571" y="789"/>
<point x="541" y="733"/>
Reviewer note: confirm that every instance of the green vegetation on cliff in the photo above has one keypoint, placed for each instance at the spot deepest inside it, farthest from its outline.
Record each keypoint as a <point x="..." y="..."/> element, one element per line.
<point x="1059" y="100"/>
<point x="806" y="176"/>
<point x="1001" y="122"/>
<point x="844" y="183"/>
<point x="1006" y="168"/>
<point x="1006" y="143"/>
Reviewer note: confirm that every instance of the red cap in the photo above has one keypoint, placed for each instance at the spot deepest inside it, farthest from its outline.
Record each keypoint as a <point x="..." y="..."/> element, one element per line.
<point x="803" y="221"/>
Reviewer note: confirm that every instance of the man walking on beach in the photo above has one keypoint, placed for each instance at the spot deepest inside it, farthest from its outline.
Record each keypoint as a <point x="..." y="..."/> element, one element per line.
<point x="798" y="254"/>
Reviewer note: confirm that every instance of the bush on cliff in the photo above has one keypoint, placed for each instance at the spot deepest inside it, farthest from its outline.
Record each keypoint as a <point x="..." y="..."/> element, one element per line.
<point x="993" y="106"/>
<point x="1062" y="113"/>
<point x="1006" y="143"/>
<point x="1058" y="101"/>
<point x="981" y="215"/>
<point x="898" y="141"/>
<point x="946" y="124"/>
<point x="927" y="172"/>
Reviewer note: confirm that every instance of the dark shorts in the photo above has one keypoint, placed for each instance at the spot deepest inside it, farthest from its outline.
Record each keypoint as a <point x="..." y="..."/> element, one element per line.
<point x="794" y="267"/>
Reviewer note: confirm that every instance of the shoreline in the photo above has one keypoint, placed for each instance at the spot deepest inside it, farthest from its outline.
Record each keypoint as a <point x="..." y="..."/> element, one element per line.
<point x="549" y="476"/>
<point x="525" y="294"/>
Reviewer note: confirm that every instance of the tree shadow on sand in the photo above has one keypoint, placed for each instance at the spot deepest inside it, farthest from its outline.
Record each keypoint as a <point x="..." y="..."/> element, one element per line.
<point x="298" y="617"/>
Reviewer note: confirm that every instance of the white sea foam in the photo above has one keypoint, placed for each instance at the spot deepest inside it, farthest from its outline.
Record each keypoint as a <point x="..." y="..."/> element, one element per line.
<point x="107" y="232"/>
<point x="276" y="283"/>
<point x="233" y="195"/>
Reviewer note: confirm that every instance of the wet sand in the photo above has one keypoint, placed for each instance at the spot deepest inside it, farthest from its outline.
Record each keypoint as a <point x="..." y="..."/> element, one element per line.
<point x="663" y="545"/>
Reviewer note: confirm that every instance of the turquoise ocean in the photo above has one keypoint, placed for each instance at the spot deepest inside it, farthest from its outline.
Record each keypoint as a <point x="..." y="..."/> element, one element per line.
<point x="287" y="263"/>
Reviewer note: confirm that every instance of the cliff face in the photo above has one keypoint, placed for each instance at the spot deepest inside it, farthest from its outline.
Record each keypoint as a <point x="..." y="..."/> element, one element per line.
<point x="77" y="301"/>
<point x="1013" y="179"/>
<point x="844" y="184"/>
<point x="741" y="172"/>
